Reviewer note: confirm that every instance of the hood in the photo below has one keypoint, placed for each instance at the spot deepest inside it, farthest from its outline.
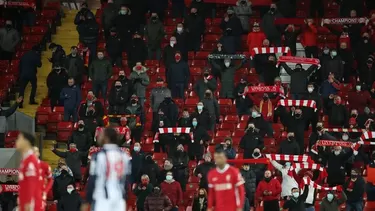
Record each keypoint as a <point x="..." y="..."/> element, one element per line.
<point x="247" y="3"/>
<point x="143" y="70"/>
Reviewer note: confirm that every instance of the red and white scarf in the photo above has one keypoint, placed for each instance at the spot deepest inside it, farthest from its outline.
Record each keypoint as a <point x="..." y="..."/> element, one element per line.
<point x="344" y="21"/>
<point x="330" y="143"/>
<point x="262" y="89"/>
<point x="308" y="181"/>
<point x="298" y="60"/>
<point x="314" y="166"/>
<point x="303" y="103"/>
<point x="173" y="130"/>
<point x="294" y="158"/>
<point x="269" y="50"/>
<point x="345" y="130"/>
<point x="125" y="131"/>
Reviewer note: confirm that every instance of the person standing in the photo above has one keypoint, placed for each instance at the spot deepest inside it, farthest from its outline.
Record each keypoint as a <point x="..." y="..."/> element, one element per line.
<point x="154" y="34"/>
<point x="354" y="189"/>
<point x="202" y="170"/>
<point x="4" y="114"/>
<point x="57" y="79"/>
<point x="113" y="48"/>
<point x="71" y="96"/>
<point x="195" y="26"/>
<point x="220" y="187"/>
<point x="9" y="39"/>
<point x="296" y="202"/>
<point x="178" y="76"/>
<point x="46" y="174"/>
<point x="140" y="81"/>
<point x="30" y="191"/>
<point x="142" y="190"/>
<point x="29" y="64"/>
<point x="172" y="189"/>
<point x="71" y="200"/>
<point x="88" y="34"/>
<point x="269" y="191"/>
<point x="100" y="71"/>
<point x="74" y="65"/>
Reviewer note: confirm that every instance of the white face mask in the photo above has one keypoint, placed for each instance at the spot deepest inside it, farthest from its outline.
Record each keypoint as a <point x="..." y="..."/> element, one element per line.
<point x="179" y="29"/>
<point x="310" y="89"/>
<point x="69" y="190"/>
<point x="172" y="43"/>
<point x="337" y="152"/>
<point x="227" y="64"/>
<point x="295" y="194"/>
<point x="358" y="88"/>
<point x="345" y="137"/>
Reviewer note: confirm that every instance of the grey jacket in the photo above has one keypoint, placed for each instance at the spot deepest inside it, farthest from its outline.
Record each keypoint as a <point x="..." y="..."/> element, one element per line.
<point x="100" y="70"/>
<point x="4" y="114"/>
<point x="9" y="39"/>
<point x="154" y="33"/>
<point x="243" y="12"/>
<point x="140" y="81"/>
<point x="200" y="87"/>
<point x="334" y="205"/>
<point x="212" y="106"/>
<point x="157" y="96"/>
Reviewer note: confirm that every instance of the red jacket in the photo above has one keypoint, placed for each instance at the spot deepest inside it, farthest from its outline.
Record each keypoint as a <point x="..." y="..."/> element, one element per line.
<point x="255" y="39"/>
<point x="173" y="191"/>
<point x="309" y="36"/>
<point x="273" y="186"/>
<point x="359" y="100"/>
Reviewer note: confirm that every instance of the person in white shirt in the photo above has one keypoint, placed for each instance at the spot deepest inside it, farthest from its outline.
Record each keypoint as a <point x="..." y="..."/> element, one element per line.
<point x="288" y="182"/>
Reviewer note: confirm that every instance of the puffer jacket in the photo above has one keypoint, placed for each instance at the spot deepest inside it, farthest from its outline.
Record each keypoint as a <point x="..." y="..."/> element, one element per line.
<point x="154" y="33"/>
<point x="140" y="81"/>
<point x="250" y="182"/>
<point x="334" y="205"/>
<point x="157" y="202"/>
<point x="243" y="12"/>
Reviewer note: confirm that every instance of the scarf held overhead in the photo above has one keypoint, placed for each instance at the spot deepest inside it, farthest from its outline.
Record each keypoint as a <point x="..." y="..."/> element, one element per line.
<point x="308" y="181"/>
<point x="303" y="103"/>
<point x="294" y="158"/>
<point x="298" y="60"/>
<point x="173" y="130"/>
<point x="270" y="50"/>
<point x="314" y="166"/>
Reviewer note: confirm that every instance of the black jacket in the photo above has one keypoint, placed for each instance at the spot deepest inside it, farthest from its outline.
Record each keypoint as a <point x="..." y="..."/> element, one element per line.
<point x="338" y="115"/>
<point x="233" y="23"/>
<point x="357" y="192"/>
<point x="88" y="31"/>
<point x="298" y="78"/>
<point x="199" y="133"/>
<point x="299" y="204"/>
<point x="73" y="161"/>
<point x="56" y="82"/>
<point x="168" y="55"/>
<point x="137" y="52"/>
<point x="332" y="65"/>
<point x="60" y="184"/>
<point x="83" y="12"/>
<point x="8" y="112"/>
<point x="58" y="57"/>
<point x="203" y="169"/>
<point x="250" y="182"/>
<point x="152" y="169"/>
<point x="70" y="202"/>
<point x="75" y="67"/>
<point x="29" y="64"/>
<point x="178" y="73"/>
<point x="289" y="148"/>
<point x="170" y="110"/>
<point x="336" y="167"/>
<point x="197" y="205"/>
<point x="82" y="139"/>
<point x="138" y="158"/>
<point x="113" y="46"/>
<point x="203" y="118"/>
<point x="117" y="100"/>
<point x="250" y="141"/>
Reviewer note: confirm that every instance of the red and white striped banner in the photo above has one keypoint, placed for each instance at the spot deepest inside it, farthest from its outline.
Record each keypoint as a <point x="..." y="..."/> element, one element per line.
<point x="173" y="130"/>
<point x="295" y="158"/>
<point x="9" y="188"/>
<point x="303" y="103"/>
<point x="345" y="130"/>
<point x="269" y="50"/>
<point x="9" y="171"/>
<point x="298" y="60"/>
<point x="308" y="181"/>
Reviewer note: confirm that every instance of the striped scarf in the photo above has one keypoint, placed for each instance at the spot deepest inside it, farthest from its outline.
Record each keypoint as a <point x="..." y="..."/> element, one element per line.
<point x="304" y="103"/>
<point x="308" y="181"/>
<point x="125" y="131"/>
<point x="314" y="166"/>
<point x="298" y="60"/>
<point x="294" y="158"/>
<point x="173" y="130"/>
<point x="269" y="50"/>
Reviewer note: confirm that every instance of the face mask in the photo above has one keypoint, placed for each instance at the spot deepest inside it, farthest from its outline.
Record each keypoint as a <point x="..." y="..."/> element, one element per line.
<point x="297" y="116"/>
<point x="137" y="149"/>
<point x="201" y="196"/>
<point x="169" y="177"/>
<point x="287" y="164"/>
<point x="227" y="64"/>
<point x="365" y="40"/>
<point x="254" y="114"/>
<point x="172" y="43"/>
<point x="118" y="87"/>
<point x="272" y="10"/>
<point x="81" y="126"/>
<point x="337" y="153"/>
<point x="330" y="197"/>
<point x="123" y="12"/>
<point x="180" y="29"/>
<point x="354" y="176"/>
<point x="121" y="77"/>
<point x="291" y="138"/>
<point x="8" y="26"/>
<point x="326" y="51"/>
<point x="295" y="194"/>
<point x="358" y="88"/>
<point x="69" y="190"/>
<point x="319" y="128"/>
<point x="333" y="53"/>
<point x="265" y="98"/>
<point x="256" y="154"/>
<point x="90" y="97"/>
<point x="200" y="107"/>
<point x="345" y="137"/>
<point x="133" y="101"/>
<point x="267" y="179"/>
<point x="310" y="90"/>
<point x="194" y="124"/>
<point x="100" y="57"/>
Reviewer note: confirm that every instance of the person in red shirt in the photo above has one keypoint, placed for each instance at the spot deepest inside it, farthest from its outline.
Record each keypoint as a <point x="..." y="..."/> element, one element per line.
<point x="269" y="191"/>
<point x="309" y="39"/>
<point x="172" y="189"/>
<point x="46" y="174"/>
<point x="255" y="38"/>
<point x="359" y="99"/>
<point x="29" y="181"/>
<point x="225" y="185"/>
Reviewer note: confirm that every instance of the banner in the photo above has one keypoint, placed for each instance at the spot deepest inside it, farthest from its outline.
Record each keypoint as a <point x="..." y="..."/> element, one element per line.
<point x="9" y="188"/>
<point x="261" y="89"/>
<point x="26" y="4"/>
<point x="298" y="60"/>
<point x="8" y="171"/>
<point x="343" y="21"/>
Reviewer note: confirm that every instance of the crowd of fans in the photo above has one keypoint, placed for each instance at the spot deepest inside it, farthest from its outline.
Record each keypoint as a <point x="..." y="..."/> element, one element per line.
<point x="342" y="86"/>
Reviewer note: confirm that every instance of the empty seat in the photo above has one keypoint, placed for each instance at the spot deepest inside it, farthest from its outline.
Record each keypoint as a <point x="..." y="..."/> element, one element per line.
<point x="64" y="131"/>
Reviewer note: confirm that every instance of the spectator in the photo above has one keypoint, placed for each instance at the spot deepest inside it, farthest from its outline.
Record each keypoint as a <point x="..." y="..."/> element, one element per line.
<point x="260" y="123"/>
<point x="142" y="191"/>
<point x="71" y="200"/>
<point x="290" y="147"/>
<point x="243" y="102"/>
<point x="61" y="165"/>
<point x="203" y="8"/>
<point x="227" y="76"/>
<point x="205" y="83"/>
<point x="203" y="117"/>
<point x="108" y="17"/>
<point x="139" y="10"/>
<point x="250" y="181"/>
<point x="91" y="112"/>
<point x="73" y="159"/>
<point x="262" y="62"/>
<point x="333" y="65"/>
<point x="118" y="98"/>
<point x="180" y="162"/>
<point x="228" y="148"/>
<point x="178" y="8"/>
<point x="154" y="33"/>
<point x="366" y="72"/>
<point x="127" y="85"/>
<point x="61" y="182"/>
<point x="298" y="79"/>
<point x="169" y="53"/>
<point x="271" y="71"/>
<point x="229" y="41"/>
<point x="71" y="96"/>
<point x="185" y="120"/>
<point x="309" y="39"/>
<point x="125" y="26"/>
<point x="338" y="114"/>
<point x="269" y="191"/>
<point x="75" y="65"/>
<point x="233" y="22"/>
<point x="319" y="134"/>
<point x="328" y="89"/>
<point x="211" y="104"/>
<point x="354" y="189"/>
<point x="266" y="108"/>
<point x="113" y="48"/>
<point x="157" y="201"/>
<point x="57" y="79"/>
<point x="258" y="168"/>
<point x="310" y="114"/>
<point x="140" y="80"/>
<point x="100" y="71"/>
<point x="218" y="50"/>
<point x="195" y="26"/>
<point x="201" y="139"/>
<point x="243" y="12"/>
<point x="162" y="122"/>
<point x="170" y="109"/>
<point x="167" y="167"/>
<point x="151" y="169"/>
<point x="178" y="76"/>
<point x="331" y="202"/>
<point x="250" y="141"/>
<point x="362" y="50"/>
<point x="137" y="51"/>
<point x="200" y="201"/>
<point x="58" y="54"/>
<point x="182" y="40"/>
<point x="336" y="161"/>
<point x="290" y="35"/>
<point x="28" y="66"/>
<point x="288" y="181"/>
<point x="359" y="99"/>
<point x="158" y="94"/>
<point x="255" y="37"/>
<point x="158" y="7"/>
<point x="172" y="189"/>
<point x="348" y="60"/>
<point x="202" y="170"/>
<point x="82" y="139"/>
<point x="136" y="120"/>
<point x="138" y="159"/>
<point x="272" y="31"/>
<point x="9" y="39"/>
<point x="297" y="202"/>
<point x="82" y="14"/>
<point x="88" y="34"/>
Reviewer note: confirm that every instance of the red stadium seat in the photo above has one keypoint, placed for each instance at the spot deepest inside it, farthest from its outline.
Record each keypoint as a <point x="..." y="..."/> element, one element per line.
<point x="227" y="126"/>
<point x="201" y="55"/>
<point x="53" y="120"/>
<point x="196" y="71"/>
<point x="191" y="102"/>
<point x="222" y="133"/>
<point x="231" y="118"/>
<point x="42" y="114"/>
<point x="212" y="38"/>
<point x="64" y="131"/>
<point x="159" y="156"/>
<point x="238" y="133"/>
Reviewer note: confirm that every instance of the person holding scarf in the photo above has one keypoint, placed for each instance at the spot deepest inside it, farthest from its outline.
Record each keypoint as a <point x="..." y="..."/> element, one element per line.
<point x="91" y="112"/>
<point x="204" y="83"/>
<point x="266" y="108"/>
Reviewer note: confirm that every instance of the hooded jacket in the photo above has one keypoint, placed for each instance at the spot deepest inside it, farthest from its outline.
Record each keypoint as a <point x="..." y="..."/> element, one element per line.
<point x="140" y="81"/>
<point x="154" y="33"/>
<point x="243" y="12"/>
<point x="9" y="39"/>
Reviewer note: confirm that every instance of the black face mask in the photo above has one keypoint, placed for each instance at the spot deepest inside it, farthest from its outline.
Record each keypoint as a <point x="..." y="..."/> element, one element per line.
<point x="118" y="87"/>
<point x="230" y="15"/>
<point x="267" y="179"/>
<point x="354" y="176"/>
<point x="298" y="116"/>
<point x="291" y="138"/>
<point x="80" y="126"/>
<point x="353" y="115"/>
<point x="154" y="19"/>
<point x="208" y="95"/>
<point x="251" y="130"/>
<point x="206" y="75"/>
<point x="265" y="98"/>
<point x="273" y="10"/>
<point x="8" y="26"/>
<point x="133" y="101"/>
<point x="64" y="172"/>
<point x="319" y="128"/>
<point x="202" y="196"/>
<point x="121" y="77"/>
<point x="256" y="154"/>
